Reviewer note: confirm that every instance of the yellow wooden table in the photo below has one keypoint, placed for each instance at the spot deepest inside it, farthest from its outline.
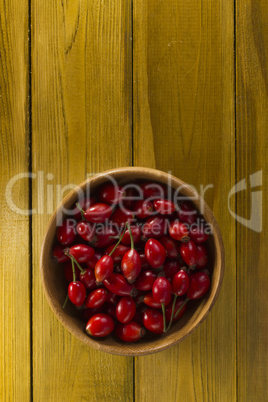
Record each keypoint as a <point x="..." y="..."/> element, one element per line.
<point x="182" y="86"/>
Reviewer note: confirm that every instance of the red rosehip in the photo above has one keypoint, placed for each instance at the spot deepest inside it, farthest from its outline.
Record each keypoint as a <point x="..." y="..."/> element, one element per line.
<point x="187" y="212"/>
<point x="143" y="209"/>
<point x="81" y="252"/>
<point x="189" y="253"/>
<point x="96" y="298"/>
<point x="85" y="230"/>
<point x="198" y="234"/>
<point x="180" y="283"/>
<point x="164" y="207"/>
<point x="125" y="309"/>
<point x="199" y="285"/>
<point x="77" y="293"/>
<point x="66" y="233"/>
<point x="58" y="253"/>
<point x="130" y="332"/>
<point x="111" y="193"/>
<point x="179" y="231"/>
<point x="201" y="256"/>
<point x="104" y="268"/>
<point x="172" y="246"/>
<point x="100" y="325"/>
<point x="153" y="321"/>
<point x="155" y="253"/>
<point x="145" y="281"/>
<point x="162" y="290"/>
<point x="98" y="213"/>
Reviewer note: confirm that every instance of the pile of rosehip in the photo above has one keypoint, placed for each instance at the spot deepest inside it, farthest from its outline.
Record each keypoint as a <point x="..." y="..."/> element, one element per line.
<point x="133" y="258"/>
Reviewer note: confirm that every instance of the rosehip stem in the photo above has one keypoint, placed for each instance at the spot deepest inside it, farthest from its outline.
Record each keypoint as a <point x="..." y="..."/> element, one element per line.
<point x="164" y="317"/>
<point x="172" y="312"/>
<point x="65" y="301"/>
<point x="76" y="262"/>
<point x="183" y="304"/>
<point x="73" y="269"/>
<point x="130" y="234"/>
<point x="119" y="241"/>
<point x="81" y="210"/>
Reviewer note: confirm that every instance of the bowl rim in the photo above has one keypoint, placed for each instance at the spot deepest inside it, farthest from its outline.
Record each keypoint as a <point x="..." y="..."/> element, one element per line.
<point x="169" y="339"/>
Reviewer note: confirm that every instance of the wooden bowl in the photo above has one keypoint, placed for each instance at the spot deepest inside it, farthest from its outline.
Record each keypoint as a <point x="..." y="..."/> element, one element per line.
<point x="55" y="285"/>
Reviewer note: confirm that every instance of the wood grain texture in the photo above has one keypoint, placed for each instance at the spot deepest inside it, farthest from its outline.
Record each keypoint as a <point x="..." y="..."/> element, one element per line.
<point x="81" y="58"/>
<point x="14" y="241"/>
<point x="183" y="75"/>
<point x="252" y="146"/>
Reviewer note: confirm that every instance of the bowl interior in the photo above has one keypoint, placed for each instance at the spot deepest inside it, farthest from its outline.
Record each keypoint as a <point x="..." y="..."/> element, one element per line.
<point x="55" y="284"/>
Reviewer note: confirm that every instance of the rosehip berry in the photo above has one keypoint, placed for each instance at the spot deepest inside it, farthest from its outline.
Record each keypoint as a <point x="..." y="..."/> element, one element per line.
<point x="85" y="230"/>
<point x="117" y="284"/>
<point x="104" y="268"/>
<point x="153" y="190"/>
<point x="171" y="268"/>
<point x="130" y="332"/>
<point x="187" y="212"/>
<point x="153" y="321"/>
<point x="164" y="207"/>
<point x="172" y="247"/>
<point x="111" y="193"/>
<point x="145" y="281"/>
<point x="132" y="195"/>
<point x="131" y="262"/>
<point x="121" y="216"/>
<point x="154" y="227"/>
<point x="136" y="234"/>
<point x="199" y="285"/>
<point x="125" y="309"/>
<point x="162" y="291"/>
<point x="143" y="209"/>
<point x="155" y="253"/>
<point x="77" y="293"/>
<point x="98" y="213"/>
<point x="188" y="253"/>
<point x="66" y="233"/>
<point x="198" y="234"/>
<point x="201" y="256"/>
<point x="81" y="252"/>
<point x="131" y="265"/>
<point x="88" y="278"/>
<point x="179" y="231"/>
<point x="59" y="254"/>
<point x="96" y="298"/>
<point x="180" y="283"/>
<point x="150" y="301"/>
<point x="100" y="325"/>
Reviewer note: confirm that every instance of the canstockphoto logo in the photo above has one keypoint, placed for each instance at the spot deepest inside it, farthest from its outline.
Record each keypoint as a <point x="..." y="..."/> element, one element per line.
<point x="49" y="195"/>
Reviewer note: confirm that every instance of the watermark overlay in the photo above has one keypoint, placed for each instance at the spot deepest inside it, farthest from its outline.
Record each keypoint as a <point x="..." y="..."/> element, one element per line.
<point x="255" y="221"/>
<point x="49" y="195"/>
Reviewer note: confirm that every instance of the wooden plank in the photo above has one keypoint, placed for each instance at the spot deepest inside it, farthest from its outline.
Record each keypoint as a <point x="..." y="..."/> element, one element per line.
<point x="82" y="63"/>
<point x="15" y="352"/>
<point x="184" y="122"/>
<point x="252" y="146"/>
